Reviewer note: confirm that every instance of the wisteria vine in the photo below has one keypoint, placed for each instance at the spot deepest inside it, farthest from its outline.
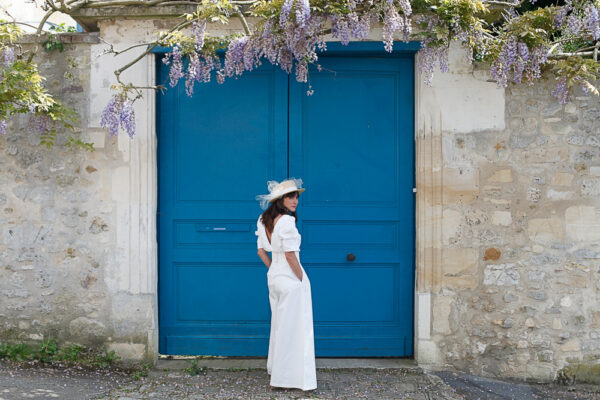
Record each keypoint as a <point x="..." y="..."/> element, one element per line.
<point x="520" y="39"/>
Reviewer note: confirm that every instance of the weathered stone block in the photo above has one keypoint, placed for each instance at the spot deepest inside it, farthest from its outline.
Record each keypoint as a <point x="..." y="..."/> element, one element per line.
<point x="86" y="328"/>
<point x="442" y="307"/>
<point x="559" y="195"/>
<point x="544" y="230"/>
<point x="450" y="223"/>
<point x="542" y="372"/>
<point x="562" y="179"/>
<point x="461" y="185"/>
<point x="502" y="218"/>
<point x="128" y="351"/>
<point x="533" y="194"/>
<point x="501" y="275"/>
<point x="502" y="175"/>
<point x="539" y="296"/>
<point x="590" y="187"/>
<point x="458" y="261"/>
<point x="571" y="345"/>
<point x="582" y="223"/>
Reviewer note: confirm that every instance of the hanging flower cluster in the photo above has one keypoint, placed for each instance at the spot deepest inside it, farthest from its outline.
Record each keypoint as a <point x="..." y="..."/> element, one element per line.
<point x="118" y="113"/>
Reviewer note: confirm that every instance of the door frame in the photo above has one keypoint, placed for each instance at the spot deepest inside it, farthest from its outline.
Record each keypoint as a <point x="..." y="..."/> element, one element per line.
<point x="141" y="222"/>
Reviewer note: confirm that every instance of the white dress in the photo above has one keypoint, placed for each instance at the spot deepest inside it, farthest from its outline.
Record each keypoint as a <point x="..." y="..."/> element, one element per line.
<point x="291" y="361"/>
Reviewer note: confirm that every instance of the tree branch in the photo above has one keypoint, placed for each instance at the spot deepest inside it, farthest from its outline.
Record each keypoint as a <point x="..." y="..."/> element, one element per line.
<point x="117" y="52"/>
<point x="566" y="55"/>
<point x="181" y="25"/>
<point x="18" y="23"/>
<point x="240" y="14"/>
<point x="43" y="21"/>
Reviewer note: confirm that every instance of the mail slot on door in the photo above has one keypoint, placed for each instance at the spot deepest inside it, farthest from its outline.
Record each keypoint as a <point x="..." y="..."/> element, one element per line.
<point x="223" y="227"/>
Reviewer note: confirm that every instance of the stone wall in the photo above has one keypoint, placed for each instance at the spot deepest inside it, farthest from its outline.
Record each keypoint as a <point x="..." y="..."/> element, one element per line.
<point x="508" y="220"/>
<point x="59" y="253"/>
<point x="519" y="287"/>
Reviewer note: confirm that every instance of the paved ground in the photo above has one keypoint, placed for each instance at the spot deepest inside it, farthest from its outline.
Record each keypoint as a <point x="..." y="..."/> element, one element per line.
<point x="17" y="382"/>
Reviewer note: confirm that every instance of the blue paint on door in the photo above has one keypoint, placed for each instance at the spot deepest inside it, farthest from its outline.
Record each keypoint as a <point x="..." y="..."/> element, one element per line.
<point x="352" y="143"/>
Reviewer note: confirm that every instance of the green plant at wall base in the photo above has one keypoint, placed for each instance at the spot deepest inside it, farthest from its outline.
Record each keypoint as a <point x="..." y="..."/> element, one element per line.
<point x="47" y="350"/>
<point x="105" y="358"/>
<point x="141" y="371"/>
<point x="71" y="353"/>
<point x="194" y="369"/>
<point x="19" y="352"/>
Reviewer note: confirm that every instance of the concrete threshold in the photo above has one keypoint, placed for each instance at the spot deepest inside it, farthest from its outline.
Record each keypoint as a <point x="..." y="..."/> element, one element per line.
<point x="181" y="362"/>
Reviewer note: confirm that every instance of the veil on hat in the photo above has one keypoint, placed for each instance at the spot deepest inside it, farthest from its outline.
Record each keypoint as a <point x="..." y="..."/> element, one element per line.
<point x="265" y="199"/>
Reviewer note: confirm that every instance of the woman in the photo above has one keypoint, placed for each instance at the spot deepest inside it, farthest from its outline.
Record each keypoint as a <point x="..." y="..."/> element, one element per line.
<point x="291" y="361"/>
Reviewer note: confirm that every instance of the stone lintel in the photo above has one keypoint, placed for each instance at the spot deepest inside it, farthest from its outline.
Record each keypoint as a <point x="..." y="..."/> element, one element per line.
<point x="66" y="38"/>
<point x="88" y="17"/>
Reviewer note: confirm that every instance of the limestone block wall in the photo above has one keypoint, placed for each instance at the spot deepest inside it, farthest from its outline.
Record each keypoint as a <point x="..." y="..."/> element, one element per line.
<point x="61" y="260"/>
<point x="517" y="285"/>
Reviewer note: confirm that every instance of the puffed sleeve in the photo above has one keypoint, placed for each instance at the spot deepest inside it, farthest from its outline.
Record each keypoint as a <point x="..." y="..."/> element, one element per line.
<point x="259" y="234"/>
<point x="289" y="234"/>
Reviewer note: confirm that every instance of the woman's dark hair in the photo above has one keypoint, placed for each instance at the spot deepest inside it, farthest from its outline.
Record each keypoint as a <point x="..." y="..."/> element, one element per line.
<point x="275" y="209"/>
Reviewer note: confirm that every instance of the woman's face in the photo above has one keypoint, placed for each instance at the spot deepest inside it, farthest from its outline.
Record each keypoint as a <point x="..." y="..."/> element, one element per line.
<point x="291" y="202"/>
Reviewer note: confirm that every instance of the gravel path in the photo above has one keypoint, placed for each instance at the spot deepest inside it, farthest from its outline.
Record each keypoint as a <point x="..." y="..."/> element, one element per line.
<point x="38" y="382"/>
<point x="253" y="384"/>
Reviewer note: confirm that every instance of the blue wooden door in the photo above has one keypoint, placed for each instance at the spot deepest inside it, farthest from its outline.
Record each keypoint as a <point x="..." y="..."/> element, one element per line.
<point x="352" y="144"/>
<point x="215" y="152"/>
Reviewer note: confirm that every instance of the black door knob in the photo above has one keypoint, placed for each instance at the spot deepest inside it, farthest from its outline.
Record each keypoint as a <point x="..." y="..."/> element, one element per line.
<point x="350" y="257"/>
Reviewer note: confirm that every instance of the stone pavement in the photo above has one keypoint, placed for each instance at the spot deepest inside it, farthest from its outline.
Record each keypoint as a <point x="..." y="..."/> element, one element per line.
<point x="18" y="382"/>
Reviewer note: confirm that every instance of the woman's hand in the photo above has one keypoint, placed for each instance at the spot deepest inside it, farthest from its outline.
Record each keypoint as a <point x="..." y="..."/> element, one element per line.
<point x="264" y="257"/>
<point x="292" y="260"/>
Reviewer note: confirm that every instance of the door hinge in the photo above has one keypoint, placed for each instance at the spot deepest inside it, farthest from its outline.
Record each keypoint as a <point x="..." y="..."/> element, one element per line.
<point x="414" y="190"/>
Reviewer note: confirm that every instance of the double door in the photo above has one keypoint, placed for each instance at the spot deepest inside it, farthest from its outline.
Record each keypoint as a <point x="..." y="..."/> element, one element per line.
<point x="352" y="144"/>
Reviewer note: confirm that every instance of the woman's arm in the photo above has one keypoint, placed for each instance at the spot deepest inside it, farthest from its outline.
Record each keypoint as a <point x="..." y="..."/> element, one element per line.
<point x="264" y="257"/>
<point x="292" y="260"/>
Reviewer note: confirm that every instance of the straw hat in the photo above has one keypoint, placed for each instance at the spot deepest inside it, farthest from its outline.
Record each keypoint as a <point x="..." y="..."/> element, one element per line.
<point x="279" y="189"/>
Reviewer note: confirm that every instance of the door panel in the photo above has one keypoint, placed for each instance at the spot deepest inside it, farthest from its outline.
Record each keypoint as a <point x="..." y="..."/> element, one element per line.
<point x="215" y="152"/>
<point x="352" y="143"/>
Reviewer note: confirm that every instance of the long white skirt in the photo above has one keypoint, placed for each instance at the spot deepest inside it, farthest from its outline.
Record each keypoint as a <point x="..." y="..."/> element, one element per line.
<point x="291" y="361"/>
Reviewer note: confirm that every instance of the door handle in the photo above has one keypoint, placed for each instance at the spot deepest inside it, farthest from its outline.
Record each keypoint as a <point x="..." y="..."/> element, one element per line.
<point x="350" y="257"/>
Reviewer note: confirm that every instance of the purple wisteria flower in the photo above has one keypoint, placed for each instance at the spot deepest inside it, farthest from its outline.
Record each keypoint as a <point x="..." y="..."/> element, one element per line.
<point x="302" y="12"/>
<point x="561" y="91"/>
<point x="360" y="27"/>
<point x="42" y="123"/>
<point x="199" y="30"/>
<point x="561" y="14"/>
<point x="426" y="63"/>
<point x="192" y="73"/>
<point x="176" y="71"/>
<point x="523" y="57"/>
<point x="340" y="30"/>
<point x="406" y="7"/>
<point x="574" y="24"/>
<point x="118" y="113"/>
<point x="3" y="126"/>
<point x="391" y="24"/>
<point x="239" y="57"/>
<point x="591" y="21"/>
<point x="8" y="55"/>
<point x="285" y="12"/>
<point x="516" y="57"/>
